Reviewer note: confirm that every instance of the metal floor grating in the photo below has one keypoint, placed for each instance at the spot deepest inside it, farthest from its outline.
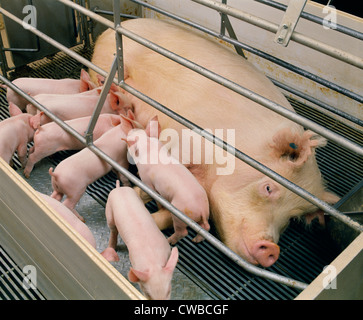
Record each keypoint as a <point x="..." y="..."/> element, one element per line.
<point x="11" y="281"/>
<point x="304" y="250"/>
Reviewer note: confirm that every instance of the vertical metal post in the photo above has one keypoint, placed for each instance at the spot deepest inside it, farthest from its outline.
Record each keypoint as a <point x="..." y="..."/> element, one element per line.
<point x="100" y="102"/>
<point x="119" y="52"/>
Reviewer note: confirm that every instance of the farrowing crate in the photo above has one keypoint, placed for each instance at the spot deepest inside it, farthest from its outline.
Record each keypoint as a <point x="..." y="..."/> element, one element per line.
<point x="242" y="285"/>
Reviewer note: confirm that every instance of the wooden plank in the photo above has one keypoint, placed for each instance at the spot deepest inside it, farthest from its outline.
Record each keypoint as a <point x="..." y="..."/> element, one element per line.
<point x="67" y="266"/>
<point x="346" y="273"/>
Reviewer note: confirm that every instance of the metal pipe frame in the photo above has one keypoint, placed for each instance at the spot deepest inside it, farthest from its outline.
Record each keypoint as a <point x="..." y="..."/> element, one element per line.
<point x="258" y="52"/>
<point x="296" y="36"/>
<point x="308" y="16"/>
<point x="192" y="224"/>
<point x="249" y="267"/>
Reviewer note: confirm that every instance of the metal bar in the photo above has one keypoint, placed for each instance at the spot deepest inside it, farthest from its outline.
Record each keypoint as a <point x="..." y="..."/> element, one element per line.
<point x="289" y="22"/>
<point x="157" y="197"/>
<point x="100" y="102"/>
<point x="245" y="92"/>
<point x="240" y="155"/>
<point x="110" y="13"/>
<point x="259" y="53"/>
<point x="227" y="25"/>
<point x="119" y="51"/>
<point x="296" y="36"/>
<point x="308" y="16"/>
<point x="317" y="102"/>
<point x="167" y="205"/>
<point x="321" y="204"/>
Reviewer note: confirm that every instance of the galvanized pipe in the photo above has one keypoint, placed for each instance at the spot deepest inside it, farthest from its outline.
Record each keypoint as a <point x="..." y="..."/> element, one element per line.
<point x="317" y="102"/>
<point x="321" y="204"/>
<point x="280" y="62"/>
<point x="296" y="36"/>
<point x="166" y="204"/>
<point x="100" y="102"/>
<point x="196" y="227"/>
<point x="245" y="92"/>
<point x="308" y="16"/>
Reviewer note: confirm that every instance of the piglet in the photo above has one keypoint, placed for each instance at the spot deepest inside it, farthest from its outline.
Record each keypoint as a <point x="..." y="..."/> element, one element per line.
<point x="73" y="106"/>
<point x="35" y="86"/>
<point x="15" y="133"/>
<point x="172" y="180"/>
<point x="152" y="261"/>
<point x="51" y="138"/>
<point x="72" y="176"/>
<point x="68" y="215"/>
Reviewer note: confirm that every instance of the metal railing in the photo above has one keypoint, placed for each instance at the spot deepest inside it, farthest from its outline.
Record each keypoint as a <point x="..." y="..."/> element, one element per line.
<point x="118" y="67"/>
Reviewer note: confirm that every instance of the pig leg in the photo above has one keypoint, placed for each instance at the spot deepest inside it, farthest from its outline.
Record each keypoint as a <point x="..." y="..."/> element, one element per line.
<point x="143" y="195"/>
<point x="180" y="231"/>
<point x="205" y="225"/>
<point x="32" y="159"/>
<point x="70" y="203"/>
<point x="163" y="219"/>
<point x="110" y="253"/>
<point x="125" y="182"/>
<point x="22" y="153"/>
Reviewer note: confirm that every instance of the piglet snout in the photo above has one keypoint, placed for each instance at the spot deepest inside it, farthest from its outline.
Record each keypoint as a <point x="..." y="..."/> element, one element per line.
<point x="265" y="252"/>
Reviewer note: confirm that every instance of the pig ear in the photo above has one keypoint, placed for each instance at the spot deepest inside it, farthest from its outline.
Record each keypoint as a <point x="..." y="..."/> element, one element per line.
<point x="86" y="83"/>
<point x="34" y="121"/>
<point x="115" y="120"/>
<point x="173" y="260"/>
<point x="153" y="128"/>
<point x="118" y="101"/>
<point x="14" y="110"/>
<point x="136" y="276"/>
<point x="101" y="80"/>
<point x="130" y="119"/>
<point x="295" y="148"/>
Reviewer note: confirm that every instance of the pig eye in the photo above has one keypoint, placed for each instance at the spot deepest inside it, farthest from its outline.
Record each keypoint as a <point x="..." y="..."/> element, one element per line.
<point x="268" y="189"/>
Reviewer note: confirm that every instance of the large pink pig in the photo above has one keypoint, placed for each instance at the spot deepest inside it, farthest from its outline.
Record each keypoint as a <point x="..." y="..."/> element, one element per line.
<point x="72" y="176"/>
<point x="68" y="215"/>
<point x="35" y="86"/>
<point x="152" y="261"/>
<point x="15" y="133"/>
<point x="167" y="176"/>
<point x="249" y="209"/>
<point x="72" y="106"/>
<point x="51" y="138"/>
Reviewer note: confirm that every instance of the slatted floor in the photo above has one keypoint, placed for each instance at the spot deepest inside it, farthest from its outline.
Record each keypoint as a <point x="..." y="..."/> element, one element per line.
<point x="304" y="250"/>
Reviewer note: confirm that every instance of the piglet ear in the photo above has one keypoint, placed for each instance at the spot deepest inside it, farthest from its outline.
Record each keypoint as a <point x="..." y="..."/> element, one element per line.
<point x="119" y="102"/>
<point x="129" y="122"/>
<point x="153" y="128"/>
<point x="115" y="120"/>
<point x="86" y="83"/>
<point x="101" y="80"/>
<point x="295" y="148"/>
<point x="14" y="110"/>
<point x="136" y="276"/>
<point x="173" y="260"/>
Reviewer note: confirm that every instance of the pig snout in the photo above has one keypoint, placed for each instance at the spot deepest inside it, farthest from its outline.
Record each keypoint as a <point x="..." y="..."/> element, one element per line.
<point x="265" y="252"/>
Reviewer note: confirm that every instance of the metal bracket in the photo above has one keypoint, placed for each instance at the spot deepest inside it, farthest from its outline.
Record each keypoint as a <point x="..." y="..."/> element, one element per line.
<point x="226" y="24"/>
<point x="289" y="21"/>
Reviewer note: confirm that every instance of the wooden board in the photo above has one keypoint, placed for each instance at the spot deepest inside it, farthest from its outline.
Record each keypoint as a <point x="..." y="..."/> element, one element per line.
<point x="342" y="279"/>
<point x="67" y="267"/>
